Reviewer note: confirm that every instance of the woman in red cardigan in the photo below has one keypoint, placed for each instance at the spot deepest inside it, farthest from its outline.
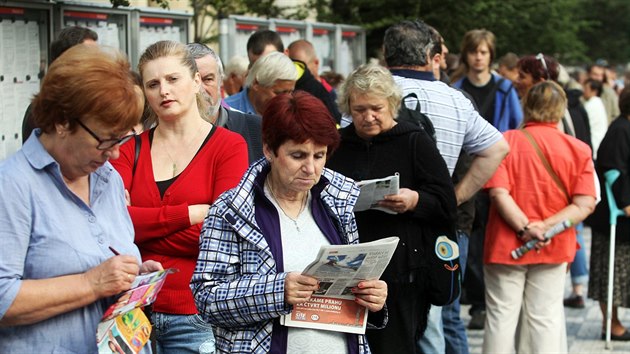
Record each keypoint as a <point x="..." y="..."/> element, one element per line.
<point x="183" y="164"/>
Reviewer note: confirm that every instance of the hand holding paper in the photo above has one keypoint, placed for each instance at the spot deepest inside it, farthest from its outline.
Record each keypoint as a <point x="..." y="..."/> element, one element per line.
<point x="371" y="294"/>
<point x="298" y="288"/>
<point x="347" y="276"/>
<point x="405" y="200"/>
<point x="374" y="191"/>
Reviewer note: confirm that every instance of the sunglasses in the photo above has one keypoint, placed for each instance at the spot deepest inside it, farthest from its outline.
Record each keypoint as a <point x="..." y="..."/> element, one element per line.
<point x="104" y="144"/>
<point x="541" y="57"/>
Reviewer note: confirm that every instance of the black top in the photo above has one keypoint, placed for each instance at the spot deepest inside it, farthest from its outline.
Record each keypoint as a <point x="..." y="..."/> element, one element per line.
<point x="407" y="150"/>
<point x="163" y="185"/>
<point x="28" y="123"/>
<point x="614" y="153"/>
<point x="307" y="82"/>
<point x="480" y="95"/>
<point x="579" y="117"/>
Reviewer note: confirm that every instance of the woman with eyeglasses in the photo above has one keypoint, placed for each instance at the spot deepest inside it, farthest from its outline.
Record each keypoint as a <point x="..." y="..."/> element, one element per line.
<point x="63" y="209"/>
<point x="173" y="175"/>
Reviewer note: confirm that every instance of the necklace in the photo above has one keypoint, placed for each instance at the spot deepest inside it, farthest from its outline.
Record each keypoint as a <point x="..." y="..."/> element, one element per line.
<point x="186" y="149"/>
<point x="304" y="199"/>
<point x="173" y="162"/>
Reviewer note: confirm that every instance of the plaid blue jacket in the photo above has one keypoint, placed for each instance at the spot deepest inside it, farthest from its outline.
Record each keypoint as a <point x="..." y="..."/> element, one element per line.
<point x="235" y="284"/>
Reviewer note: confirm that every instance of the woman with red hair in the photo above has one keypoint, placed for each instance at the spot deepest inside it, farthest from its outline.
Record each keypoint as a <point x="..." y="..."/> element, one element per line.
<point x="259" y="236"/>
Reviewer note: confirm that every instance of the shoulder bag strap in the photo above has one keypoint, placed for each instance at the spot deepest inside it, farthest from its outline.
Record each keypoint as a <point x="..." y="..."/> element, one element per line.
<point x="547" y="165"/>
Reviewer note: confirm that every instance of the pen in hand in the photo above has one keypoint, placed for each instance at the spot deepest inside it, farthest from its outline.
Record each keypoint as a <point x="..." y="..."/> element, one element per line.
<point x="114" y="251"/>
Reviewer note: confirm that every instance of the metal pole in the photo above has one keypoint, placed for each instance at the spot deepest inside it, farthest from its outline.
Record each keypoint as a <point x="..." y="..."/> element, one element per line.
<point x="610" y="178"/>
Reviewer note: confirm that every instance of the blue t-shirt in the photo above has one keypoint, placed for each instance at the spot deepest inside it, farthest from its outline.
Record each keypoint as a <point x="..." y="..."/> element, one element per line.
<point x="47" y="232"/>
<point x="240" y="102"/>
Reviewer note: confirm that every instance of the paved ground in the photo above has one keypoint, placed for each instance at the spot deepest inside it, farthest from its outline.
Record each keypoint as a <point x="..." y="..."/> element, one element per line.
<point x="583" y="325"/>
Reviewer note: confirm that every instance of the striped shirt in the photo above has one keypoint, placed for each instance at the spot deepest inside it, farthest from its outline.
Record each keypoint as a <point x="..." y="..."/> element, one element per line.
<point x="457" y="124"/>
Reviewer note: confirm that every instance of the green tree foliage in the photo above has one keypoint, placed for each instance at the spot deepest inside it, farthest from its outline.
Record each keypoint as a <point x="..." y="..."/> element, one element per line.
<point x="608" y="34"/>
<point x="574" y="31"/>
<point x="207" y="12"/>
<point x="571" y="30"/>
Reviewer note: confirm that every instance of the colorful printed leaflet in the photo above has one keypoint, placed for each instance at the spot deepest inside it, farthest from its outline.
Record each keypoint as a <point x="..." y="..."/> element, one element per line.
<point x="124" y="327"/>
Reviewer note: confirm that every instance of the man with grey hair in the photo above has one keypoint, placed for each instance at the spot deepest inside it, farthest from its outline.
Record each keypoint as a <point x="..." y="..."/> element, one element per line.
<point x="235" y="74"/>
<point x="211" y="71"/>
<point x="265" y="41"/>
<point x="457" y="124"/>
<point x="271" y="75"/>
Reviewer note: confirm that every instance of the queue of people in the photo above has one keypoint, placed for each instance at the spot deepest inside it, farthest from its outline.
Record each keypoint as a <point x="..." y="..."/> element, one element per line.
<point x="180" y="195"/>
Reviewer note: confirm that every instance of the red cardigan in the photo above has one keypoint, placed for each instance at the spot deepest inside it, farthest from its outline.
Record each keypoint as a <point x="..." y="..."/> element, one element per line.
<point x="162" y="226"/>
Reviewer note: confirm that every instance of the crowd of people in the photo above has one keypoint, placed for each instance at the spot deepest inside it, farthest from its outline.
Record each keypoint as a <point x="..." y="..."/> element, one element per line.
<point x="236" y="176"/>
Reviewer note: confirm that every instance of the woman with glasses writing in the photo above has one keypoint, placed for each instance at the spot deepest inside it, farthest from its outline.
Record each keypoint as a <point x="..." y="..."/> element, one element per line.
<point x="179" y="168"/>
<point x="57" y="276"/>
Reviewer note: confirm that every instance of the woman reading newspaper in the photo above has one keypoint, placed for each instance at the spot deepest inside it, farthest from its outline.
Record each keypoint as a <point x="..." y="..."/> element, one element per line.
<point x="424" y="269"/>
<point x="63" y="215"/>
<point x="259" y="236"/>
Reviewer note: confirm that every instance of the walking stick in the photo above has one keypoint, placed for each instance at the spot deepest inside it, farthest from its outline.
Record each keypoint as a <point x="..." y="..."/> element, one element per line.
<point x="610" y="177"/>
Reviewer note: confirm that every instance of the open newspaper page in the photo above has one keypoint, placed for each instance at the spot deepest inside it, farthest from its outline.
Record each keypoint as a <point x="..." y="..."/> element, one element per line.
<point x="374" y="190"/>
<point x="339" y="268"/>
<point x="124" y="327"/>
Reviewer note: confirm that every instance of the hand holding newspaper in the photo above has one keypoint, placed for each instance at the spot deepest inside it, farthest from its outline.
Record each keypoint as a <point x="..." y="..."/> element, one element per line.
<point x="374" y="190"/>
<point x="124" y="328"/>
<point x="339" y="268"/>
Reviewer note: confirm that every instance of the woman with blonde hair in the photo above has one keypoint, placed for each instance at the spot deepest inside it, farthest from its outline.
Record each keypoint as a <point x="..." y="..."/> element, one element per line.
<point x="376" y="145"/>
<point x="173" y="175"/>
<point x="547" y="178"/>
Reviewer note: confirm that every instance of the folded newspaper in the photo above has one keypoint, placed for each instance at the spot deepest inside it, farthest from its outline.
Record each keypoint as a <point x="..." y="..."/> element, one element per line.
<point x="124" y="328"/>
<point x="374" y="190"/>
<point x="339" y="268"/>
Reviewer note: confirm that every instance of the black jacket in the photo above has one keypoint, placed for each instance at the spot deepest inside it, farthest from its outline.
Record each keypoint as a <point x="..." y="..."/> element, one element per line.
<point x="422" y="170"/>
<point x="578" y="116"/>
<point x="249" y="127"/>
<point x="307" y="82"/>
<point x="614" y="153"/>
<point x="416" y="277"/>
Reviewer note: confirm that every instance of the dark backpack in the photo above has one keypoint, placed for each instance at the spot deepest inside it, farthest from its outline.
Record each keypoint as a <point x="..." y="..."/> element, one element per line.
<point x="416" y="117"/>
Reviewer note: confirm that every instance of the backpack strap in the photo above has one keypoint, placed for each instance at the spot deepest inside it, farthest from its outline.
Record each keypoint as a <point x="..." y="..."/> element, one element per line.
<point x="419" y="118"/>
<point x="412" y="95"/>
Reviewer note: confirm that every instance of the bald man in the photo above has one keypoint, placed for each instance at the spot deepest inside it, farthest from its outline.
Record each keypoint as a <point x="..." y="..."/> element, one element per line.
<point x="304" y="51"/>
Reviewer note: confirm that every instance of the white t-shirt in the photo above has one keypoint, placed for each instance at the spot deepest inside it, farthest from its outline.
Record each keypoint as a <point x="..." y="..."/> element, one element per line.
<point x="597" y="120"/>
<point x="301" y="240"/>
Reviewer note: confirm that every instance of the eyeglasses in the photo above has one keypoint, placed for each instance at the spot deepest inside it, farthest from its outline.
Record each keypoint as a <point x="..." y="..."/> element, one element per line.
<point x="541" y="57"/>
<point x="104" y="144"/>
